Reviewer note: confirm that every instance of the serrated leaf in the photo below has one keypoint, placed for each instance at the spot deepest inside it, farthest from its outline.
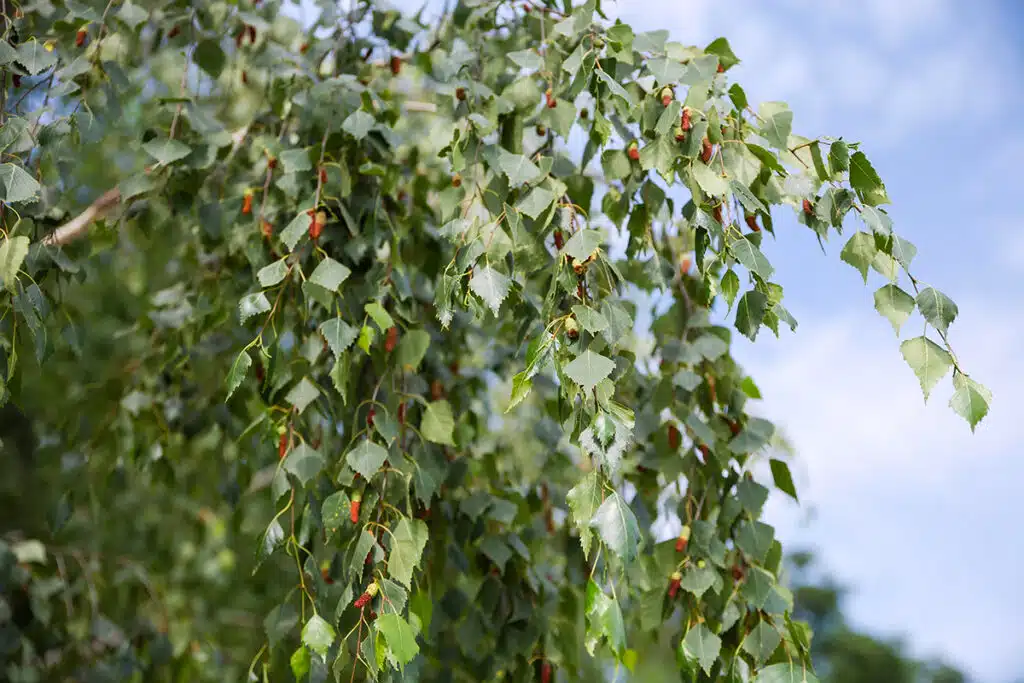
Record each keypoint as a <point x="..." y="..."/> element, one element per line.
<point x="302" y="394"/>
<point x="839" y="156"/>
<point x="710" y="346"/>
<point x="304" y="462"/>
<point x="617" y="526"/>
<point x="438" y="425"/>
<point x="762" y="641"/>
<point x="755" y="539"/>
<point x="536" y="202"/>
<point x="329" y="274"/>
<point x="167" y="151"/>
<point x="583" y="500"/>
<point x="937" y="308"/>
<point x="895" y="304"/>
<point x="496" y="550"/>
<point x="252" y="304"/>
<point x="366" y="458"/>
<point x="970" y="399"/>
<point x="338" y="334"/>
<point x="666" y="71"/>
<point x="747" y="253"/>
<point x="318" y="635"/>
<point x="294" y="231"/>
<point x="34" y="56"/>
<point x="132" y="15"/>
<point x="13" y="129"/>
<point x="698" y="580"/>
<point x="588" y="369"/>
<point x="757" y="588"/>
<point x="709" y="181"/>
<point x="13" y="251"/>
<point x="407" y="543"/>
<point x="859" y="252"/>
<point x="399" y="636"/>
<point x="490" y="285"/>
<point x="589" y="319"/>
<point x="702" y="645"/>
<point x="616" y="88"/>
<point x="581" y="245"/>
<point x="16" y="185"/>
<point x="271" y="274"/>
<point x="746" y="197"/>
<point x="239" y="369"/>
<point x="929" y="361"/>
<point x="517" y="168"/>
<point x="358" y="124"/>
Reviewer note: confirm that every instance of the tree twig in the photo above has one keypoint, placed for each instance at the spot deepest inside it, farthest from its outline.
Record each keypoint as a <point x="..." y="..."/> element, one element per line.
<point x="79" y="225"/>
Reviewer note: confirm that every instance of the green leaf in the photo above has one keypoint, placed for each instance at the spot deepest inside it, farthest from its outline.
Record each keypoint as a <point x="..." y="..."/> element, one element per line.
<point x="239" y="368"/>
<point x="329" y="274"/>
<point x="13" y="129"/>
<point x="536" y="202"/>
<point x="710" y="346"/>
<point x="294" y="231"/>
<point x="358" y="124"/>
<point x="746" y="197"/>
<point x="407" y="543"/>
<point x="616" y="89"/>
<point x="588" y="369"/>
<point x="777" y="123"/>
<point x="584" y="243"/>
<point x="604" y="620"/>
<point x="709" y="181"/>
<point x="937" y="308"/>
<point x="411" y="349"/>
<point x="338" y="334"/>
<point x="755" y="540"/>
<point x="34" y="56"/>
<point x="895" y="304"/>
<point x="698" y="580"/>
<point x="839" y="156"/>
<point x="399" y="636"/>
<point x="666" y="71"/>
<point x="617" y="526"/>
<point x="13" y="251"/>
<point x="132" y="15"/>
<point x="650" y="41"/>
<point x="750" y="312"/>
<point x="252" y="304"/>
<point x="517" y="168"/>
<point x="783" y="478"/>
<point x="526" y="59"/>
<point x="300" y="663"/>
<point x="496" y="550"/>
<point x="304" y="462"/>
<point x="747" y="253"/>
<point x="589" y="319"/>
<point x="302" y="394"/>
<point x="757" y="588"/>
<point x="438" y="425"/>
<point x="16" y="185"/>
<point x="583" y="500"/>
<point x="318" y="635"/>
<point x="929" y="361"/>
<point x="859" y="252"/>
<point x="335" y="513"/>
<point x="865" y="180"/>
<point x="785" y="673"/>
<point x="271" y="274"/>
<point x="167" y="151"/>
<point x="970" y="399"/>
<point x="762" y="641"/>
<point x="381" y="317"/>
<point x="702" y="645"/>
<point x="366" y="458"/>
<point x="490" y="285"/>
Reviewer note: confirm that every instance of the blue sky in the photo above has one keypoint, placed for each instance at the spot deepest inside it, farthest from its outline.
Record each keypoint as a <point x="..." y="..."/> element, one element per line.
<point x="904" y="504"/>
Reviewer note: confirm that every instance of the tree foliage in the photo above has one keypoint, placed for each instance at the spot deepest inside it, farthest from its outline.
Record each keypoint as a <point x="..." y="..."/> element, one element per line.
<point x="372" y="346"/>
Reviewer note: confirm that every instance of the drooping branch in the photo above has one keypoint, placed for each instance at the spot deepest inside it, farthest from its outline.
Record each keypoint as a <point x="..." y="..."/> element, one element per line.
<point x="79" y="225"/>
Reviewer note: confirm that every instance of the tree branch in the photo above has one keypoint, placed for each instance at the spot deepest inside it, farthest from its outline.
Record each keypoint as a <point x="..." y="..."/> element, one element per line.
<point x="79" y="225"/>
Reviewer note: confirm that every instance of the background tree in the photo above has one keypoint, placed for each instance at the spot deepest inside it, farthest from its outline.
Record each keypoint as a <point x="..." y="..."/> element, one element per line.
<point x="371" y="295"/>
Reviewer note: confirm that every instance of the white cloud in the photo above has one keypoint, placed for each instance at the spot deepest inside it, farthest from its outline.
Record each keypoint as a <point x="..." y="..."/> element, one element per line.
<point x="911" y="509"/>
